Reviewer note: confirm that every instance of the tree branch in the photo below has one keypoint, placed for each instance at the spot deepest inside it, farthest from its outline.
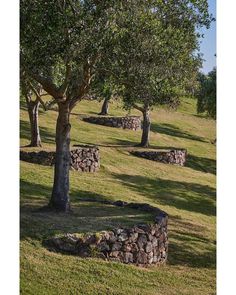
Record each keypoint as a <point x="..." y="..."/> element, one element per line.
<point x="135" y="106"/>
<point x="48" y="86"/>
<point x="38" y="95"/>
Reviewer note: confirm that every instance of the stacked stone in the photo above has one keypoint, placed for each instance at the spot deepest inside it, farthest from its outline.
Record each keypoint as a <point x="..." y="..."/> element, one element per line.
<point x="42" y="157"/>
<point x="141" y="245"/>
<point x="128" y="122"/>
<point x="84" y="159"/>
<point x="169" y="157"/>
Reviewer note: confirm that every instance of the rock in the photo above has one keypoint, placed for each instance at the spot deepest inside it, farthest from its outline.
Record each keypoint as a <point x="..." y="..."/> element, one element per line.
<point x="114" y="254"/>
<point x="141" y="257"/>
<point x="142" y="240"/>
<point x="127" y="248"/>
<point x="103" y="246"/>
<point x="148" y="247"/>
<point x="116" y="246"/>
<point x="154" y="242"/>
<point x="122" y="237"/>
<point x="133" y="237"/>
<point x="91" y="239"/>
<point x="128" y="257"/>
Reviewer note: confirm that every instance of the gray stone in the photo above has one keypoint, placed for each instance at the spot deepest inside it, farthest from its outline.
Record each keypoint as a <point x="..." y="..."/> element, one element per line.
<point x="128" y="257"/>
<point x="116" y="246"/>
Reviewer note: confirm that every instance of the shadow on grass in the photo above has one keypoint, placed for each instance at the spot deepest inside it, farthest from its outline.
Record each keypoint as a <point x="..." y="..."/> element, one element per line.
<point x="201" y="164"/>
<point x="189" y="246"/>
<point x="172" y="130"/>
<point x="46" y="134"/>
<point x="87" y="214"/>
<point x="192" y="197"/>
<point x="120" y="143"/>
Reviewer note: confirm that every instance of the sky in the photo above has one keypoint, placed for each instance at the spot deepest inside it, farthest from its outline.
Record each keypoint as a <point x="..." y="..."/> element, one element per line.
<point x="208" y="43"/>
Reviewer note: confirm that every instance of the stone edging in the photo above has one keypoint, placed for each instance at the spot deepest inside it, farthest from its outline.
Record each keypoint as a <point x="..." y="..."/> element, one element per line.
<point x="83" y="158"/>
<point x="128" y="122"/>
<point x="142" y="244"/>
<point x="177" y="156"/>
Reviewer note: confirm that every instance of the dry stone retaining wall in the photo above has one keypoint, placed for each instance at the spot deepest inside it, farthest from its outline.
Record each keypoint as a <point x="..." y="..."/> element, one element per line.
<point x="177" y="156"/>
<point x="128" y="122"/>
<point x="143" y="244"/>
<point x="83" y="158"/>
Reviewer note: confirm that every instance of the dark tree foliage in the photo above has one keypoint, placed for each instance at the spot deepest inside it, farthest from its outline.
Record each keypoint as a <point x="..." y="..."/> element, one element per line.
<point x="206" y="95"/>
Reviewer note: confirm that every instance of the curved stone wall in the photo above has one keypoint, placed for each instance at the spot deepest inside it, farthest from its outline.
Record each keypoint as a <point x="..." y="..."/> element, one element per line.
<point x="178" y="156"/>
<point x="83" y="158"/>
<point x="128" y="122"/>
<point x="142" y="244"/>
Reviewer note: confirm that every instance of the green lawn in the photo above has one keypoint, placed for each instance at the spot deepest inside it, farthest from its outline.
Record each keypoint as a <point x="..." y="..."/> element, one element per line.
<point x="187" y="194"/>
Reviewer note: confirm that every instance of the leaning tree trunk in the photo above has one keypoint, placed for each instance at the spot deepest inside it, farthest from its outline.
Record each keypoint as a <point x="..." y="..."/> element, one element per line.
<point x="33" y="110"/>
<point x="146" y="128"/>
<point x="60" y="194"/>
<point x="105" y="106"/>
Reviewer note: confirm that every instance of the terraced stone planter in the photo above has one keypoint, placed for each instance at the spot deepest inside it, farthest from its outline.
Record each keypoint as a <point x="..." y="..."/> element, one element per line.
<point x="177" y="156"/>
<point x="83" y="158"/>
<point x="128" y="122"/>
<point x="142" y="244"/>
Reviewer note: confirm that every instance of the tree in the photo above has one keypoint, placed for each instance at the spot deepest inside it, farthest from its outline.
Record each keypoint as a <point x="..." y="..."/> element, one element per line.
<point x="32" y="94"/>
<point x="64" y="43"/>
<point x="206" y="95"/>
<point x="159" y="55"/>
<point x="103" y="88"/>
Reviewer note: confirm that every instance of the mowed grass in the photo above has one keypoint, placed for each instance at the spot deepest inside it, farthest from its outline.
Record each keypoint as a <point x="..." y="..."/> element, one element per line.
<point x="187" y="194"/>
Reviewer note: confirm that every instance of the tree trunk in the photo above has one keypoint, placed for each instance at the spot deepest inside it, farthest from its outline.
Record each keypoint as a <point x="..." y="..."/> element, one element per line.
<point x="33" y="109"/>
<point x="60" y="199"/>
<point x="105" y="106"/>
<point x="146" y="128"/>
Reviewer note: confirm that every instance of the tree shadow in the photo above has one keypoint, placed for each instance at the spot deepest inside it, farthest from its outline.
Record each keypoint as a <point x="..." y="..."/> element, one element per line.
<point x="201" y="164"/>
<point x="46" y="134"/>
<point x="192" y="197"/>
<point x="120" y="143"/>
<point x="189" y="246"/>
<point x="172" y="130"/>
<point x="88" y="215"/>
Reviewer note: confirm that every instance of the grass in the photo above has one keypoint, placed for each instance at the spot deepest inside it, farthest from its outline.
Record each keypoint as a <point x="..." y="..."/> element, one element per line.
<point x="187" y="194"/>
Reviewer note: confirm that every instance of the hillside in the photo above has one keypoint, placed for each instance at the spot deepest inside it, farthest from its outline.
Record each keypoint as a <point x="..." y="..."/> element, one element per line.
<point x="187" y="194"/>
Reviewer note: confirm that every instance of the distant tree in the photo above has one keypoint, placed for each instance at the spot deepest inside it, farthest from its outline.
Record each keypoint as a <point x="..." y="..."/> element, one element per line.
<point x="32" y="93"/>
<point x="159" y="55"/>
<point x="206" y="95"/>
<point x="105" y="91"/>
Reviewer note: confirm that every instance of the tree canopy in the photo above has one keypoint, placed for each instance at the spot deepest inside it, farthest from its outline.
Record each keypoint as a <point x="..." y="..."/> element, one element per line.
<point x="206" y="95"/>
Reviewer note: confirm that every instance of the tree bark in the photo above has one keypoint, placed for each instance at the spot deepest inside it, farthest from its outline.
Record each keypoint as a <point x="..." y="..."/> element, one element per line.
<point x="60" y="199"/>
<point x="105" y="107"/>
<point x="33" y="109"/>
<point x="146" y="128"/>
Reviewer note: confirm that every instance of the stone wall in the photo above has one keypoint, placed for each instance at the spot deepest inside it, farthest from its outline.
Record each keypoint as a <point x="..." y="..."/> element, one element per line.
<point x="142" y="244"/>
<point x="178" y="156"/>
<point x="83" y="158"/>
<point x="128" y="122"/>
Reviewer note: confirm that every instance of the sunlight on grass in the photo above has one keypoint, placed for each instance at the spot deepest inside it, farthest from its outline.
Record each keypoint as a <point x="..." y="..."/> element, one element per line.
<point x="187" y="194"/>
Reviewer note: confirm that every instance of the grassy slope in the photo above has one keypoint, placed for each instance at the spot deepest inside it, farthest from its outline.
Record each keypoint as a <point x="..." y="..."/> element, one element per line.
<point x="186" y="193"/>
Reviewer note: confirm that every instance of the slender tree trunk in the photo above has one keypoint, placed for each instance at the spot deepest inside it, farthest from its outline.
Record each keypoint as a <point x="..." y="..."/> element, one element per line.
<point x="33" y="110"/>
<point x="105" y="106"/>
<point x="60" y="194"/>
<point x="146" y="128"/>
